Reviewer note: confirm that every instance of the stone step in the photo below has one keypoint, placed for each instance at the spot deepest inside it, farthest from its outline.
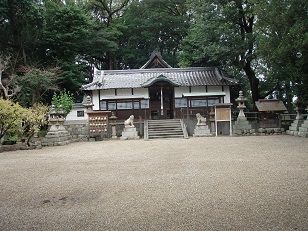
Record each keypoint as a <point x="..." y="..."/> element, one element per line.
<point x="165" y="136"/>
<point x="163" y="128"/>
<point x="170" y="128"/>
<point x="166" y="132"/>
<point x="164" y="123"/>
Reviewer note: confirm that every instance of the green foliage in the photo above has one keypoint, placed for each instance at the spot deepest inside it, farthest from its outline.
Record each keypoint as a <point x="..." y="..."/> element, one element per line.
<point x="36" y="117"/>
<point x="11" y="117"/>
<point x="159" y="25"/>
<point x="64" y="100"/>
<point x="36" y="84"/>
<point x="242" y="37"/>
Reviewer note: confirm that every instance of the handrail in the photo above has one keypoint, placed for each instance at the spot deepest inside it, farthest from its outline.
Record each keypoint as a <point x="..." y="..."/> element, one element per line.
<point x="183" y="125"/>
<point x="146" y="130"/>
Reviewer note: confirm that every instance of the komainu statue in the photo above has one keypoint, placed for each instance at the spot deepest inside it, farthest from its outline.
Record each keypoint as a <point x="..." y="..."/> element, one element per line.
<point x="129" y="123"/>
<point x="200" y="119"/>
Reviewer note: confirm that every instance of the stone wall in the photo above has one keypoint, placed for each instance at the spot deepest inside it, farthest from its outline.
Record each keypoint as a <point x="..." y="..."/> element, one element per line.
<point x="79" y="130"/>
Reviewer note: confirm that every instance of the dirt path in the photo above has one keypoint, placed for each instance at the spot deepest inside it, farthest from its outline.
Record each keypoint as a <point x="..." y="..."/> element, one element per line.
<point x="238" y="183"/>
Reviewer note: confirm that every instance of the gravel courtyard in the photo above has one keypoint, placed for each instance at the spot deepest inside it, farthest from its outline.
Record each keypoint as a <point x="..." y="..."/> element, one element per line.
<point x="224" y="183"/>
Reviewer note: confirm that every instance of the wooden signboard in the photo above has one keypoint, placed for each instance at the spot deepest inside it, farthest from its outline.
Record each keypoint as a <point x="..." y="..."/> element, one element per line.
<point x="98" y="123"/>
<point x="223" y="114"/>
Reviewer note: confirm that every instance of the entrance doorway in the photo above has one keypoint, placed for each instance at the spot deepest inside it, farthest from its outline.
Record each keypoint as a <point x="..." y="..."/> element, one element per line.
<point x="161" y="100"/>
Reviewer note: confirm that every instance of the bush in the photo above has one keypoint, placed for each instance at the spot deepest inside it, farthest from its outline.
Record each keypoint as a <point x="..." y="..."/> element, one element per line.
<point x="11" y="117"/>
<point x="36" y="118"/>
<point x="16" y="121"/>
<point x="65" y="100"/>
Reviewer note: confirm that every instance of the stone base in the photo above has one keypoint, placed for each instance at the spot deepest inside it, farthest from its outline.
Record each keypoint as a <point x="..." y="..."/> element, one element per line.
<point x="270" y="131"/>
<point x="303" y="130"/>
<point x="56" y="138"/>
<point x="202" y="130"/>
<point x="294" y="128"/>
<point x="241" y="126"/>
<point x="129" y="133"/>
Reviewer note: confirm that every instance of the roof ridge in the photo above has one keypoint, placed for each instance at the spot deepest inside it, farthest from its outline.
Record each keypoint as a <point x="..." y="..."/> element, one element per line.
<point x="180" y="69"/>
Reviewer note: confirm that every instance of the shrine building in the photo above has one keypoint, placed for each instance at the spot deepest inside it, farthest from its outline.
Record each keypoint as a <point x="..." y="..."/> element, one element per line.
<point x="158" y="91"/>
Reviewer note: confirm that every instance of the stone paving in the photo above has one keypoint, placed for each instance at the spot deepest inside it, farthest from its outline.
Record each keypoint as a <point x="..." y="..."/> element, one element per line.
<point x="224" y="183"/>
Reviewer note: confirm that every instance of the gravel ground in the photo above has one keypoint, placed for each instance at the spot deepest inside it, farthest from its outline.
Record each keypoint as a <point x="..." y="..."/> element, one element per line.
<point x="224" y="183"/>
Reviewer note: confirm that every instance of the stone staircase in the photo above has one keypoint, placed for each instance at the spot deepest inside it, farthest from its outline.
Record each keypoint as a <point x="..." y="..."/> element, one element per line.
<point x="303" y="130"/>
<point x="169" y="128"/>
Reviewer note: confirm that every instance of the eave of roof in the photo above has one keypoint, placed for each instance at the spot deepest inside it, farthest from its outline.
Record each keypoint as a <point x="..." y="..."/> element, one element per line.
<point x="137" y="78"/>
<point x="207" y="94"/>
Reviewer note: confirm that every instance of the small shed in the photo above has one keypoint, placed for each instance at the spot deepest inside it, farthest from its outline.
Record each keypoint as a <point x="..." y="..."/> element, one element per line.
<point x="269" y="112"/>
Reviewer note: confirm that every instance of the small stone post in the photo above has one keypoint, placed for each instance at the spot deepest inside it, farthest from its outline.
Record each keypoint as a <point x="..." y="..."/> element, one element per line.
<point x="113" y="120"/>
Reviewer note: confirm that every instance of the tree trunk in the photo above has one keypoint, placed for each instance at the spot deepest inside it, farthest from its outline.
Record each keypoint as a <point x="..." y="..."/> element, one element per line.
<point x="288" y="97"/>
<point x="254" y="83"/>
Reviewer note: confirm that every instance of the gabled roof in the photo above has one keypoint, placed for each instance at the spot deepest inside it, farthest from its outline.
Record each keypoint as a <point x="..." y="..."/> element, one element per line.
<point x="138" y="78"/>
<point x="270" y="105"/>
<point x="156" y="61"/>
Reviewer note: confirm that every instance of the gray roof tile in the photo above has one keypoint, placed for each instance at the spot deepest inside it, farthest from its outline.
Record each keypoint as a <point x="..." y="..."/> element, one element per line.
<point x="136" y="78"/>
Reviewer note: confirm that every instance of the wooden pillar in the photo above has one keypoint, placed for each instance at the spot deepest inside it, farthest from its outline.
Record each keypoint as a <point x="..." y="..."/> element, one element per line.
<point x="187" y="108"/>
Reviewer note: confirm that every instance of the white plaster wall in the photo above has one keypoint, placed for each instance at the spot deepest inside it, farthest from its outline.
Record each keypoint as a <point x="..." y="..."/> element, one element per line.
<point x="198" y="89"/>
<point x="124" y="91"/>
<point x="213" y="88"/>
<point x="142" y="91"/>
<point x="72" y="115"/>
<point x="95" y="100"/>
<point x="107" y="92"/>
<point x="178" y="91"/>
<point x="227" y="96"/>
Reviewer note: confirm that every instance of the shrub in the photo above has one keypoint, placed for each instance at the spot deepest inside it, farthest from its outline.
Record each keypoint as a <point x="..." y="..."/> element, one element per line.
<point x="11" y="117"/>
<point x="65" y="100"/>
<point x="36" y="118"/>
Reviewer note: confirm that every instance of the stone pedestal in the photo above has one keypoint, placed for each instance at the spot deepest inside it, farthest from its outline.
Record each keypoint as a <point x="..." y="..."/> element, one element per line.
<point x="241" y="125"/>
<point x="202" y="130"/>
<point x="294" y="128"/>
<point x="303" y="129"/>
<point x="129" y="133"/>
<point x="55" y="138"/>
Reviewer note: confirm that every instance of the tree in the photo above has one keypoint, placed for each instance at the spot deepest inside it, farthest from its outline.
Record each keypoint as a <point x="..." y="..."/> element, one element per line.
<point x="106" y="12"/>
<point x="160" y="25"/>
<point x="242" y="36"/>
<point x="11" y="117"/>
<point x="223" y="32"/>
<point x="36" y="84"/>
<point x="283" y="46"/>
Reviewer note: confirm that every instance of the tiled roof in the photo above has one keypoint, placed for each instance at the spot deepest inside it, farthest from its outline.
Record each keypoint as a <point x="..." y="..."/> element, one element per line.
<point x="270" y="105"/>
<point x="137" y="78"/>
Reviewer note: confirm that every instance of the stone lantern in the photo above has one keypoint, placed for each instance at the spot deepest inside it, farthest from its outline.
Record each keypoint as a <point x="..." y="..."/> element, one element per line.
<point x="53" y="119"/>
<point x="241" y="125"/>
<point x="113" y="120"/>
<point x="87" y="103"/>
<point x="61" y="118"/>
<point x="241" y="104"/>
<point x="57" y="134"/>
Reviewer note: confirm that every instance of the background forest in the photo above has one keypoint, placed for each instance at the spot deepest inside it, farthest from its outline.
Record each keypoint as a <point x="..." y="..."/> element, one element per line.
<point x="51" y="45"/>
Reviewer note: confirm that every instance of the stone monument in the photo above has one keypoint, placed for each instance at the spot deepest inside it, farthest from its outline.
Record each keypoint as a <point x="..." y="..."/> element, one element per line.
<point x="129" y="131"/>
<point x="57" y="134"/>
<point x="241" y="125"/>
<point x="201" y="129"/>
<point x="297" y="123"/>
